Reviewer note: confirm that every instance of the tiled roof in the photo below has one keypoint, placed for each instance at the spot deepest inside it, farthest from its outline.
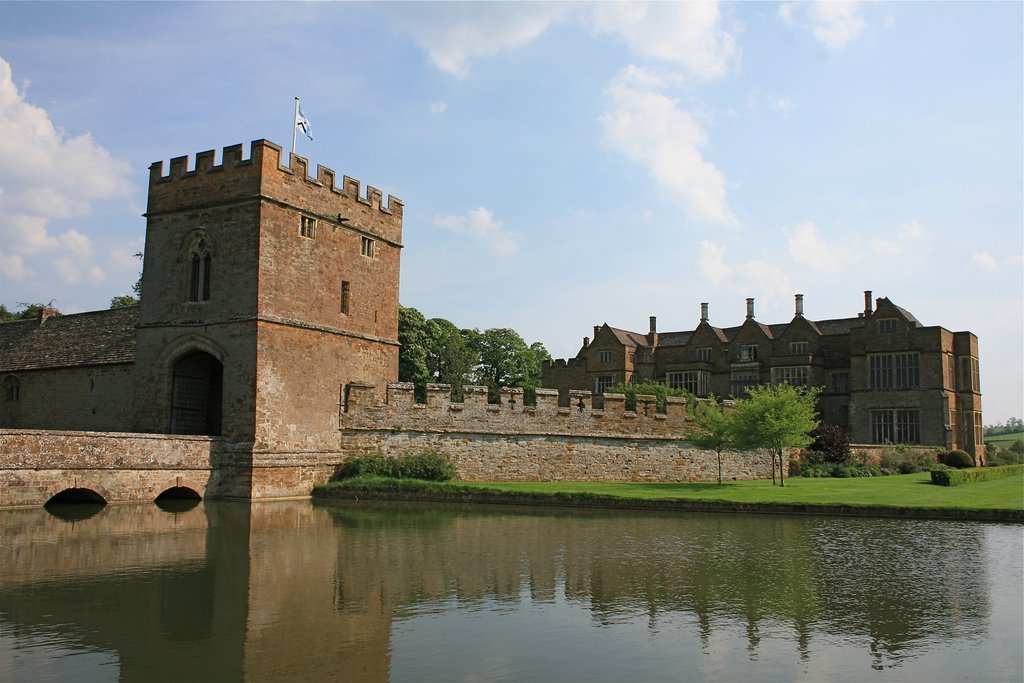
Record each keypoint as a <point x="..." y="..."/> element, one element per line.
<point x="62" y="341"/>
<point x="674" y="338"/>
<point x="629" y="338"/>
<point x="839" y="325"/>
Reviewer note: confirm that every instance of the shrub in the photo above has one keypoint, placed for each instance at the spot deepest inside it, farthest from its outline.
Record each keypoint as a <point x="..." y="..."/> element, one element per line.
<point x="1003" y="456"/>
<point x="902" y="460"/>
<point x="958" y="459"/>
<point x="840" y="471"/>
<point x="945" y="476"/>
<point x="426" y="466"/>
<point x="831" y="444"/>
<point x="372" y="465"/>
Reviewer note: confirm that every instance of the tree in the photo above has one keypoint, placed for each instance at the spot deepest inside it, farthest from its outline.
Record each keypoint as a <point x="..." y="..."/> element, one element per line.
<point x="449" y="357"/>
<point x="831" y="445"/>
<point x="412" y="354"/>
<point x="715" y="430"/>
<point x="505" y="360"/>
<point x="776" y="418"/>
<point x="27" y="312"/>
<point x="122" y="300"/>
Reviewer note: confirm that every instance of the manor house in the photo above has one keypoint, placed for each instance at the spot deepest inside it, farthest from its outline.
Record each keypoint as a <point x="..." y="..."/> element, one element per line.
<point x="884" y="377"/>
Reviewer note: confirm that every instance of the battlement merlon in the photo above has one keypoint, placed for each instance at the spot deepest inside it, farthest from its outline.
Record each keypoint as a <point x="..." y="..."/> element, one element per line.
<point x="263" y="174"/>
<point x="510" y="416"/>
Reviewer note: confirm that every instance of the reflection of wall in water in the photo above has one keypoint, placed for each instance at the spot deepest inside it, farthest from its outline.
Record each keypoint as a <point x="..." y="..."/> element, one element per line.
<point x="161" y="578"/>
<point x="801" y="572"/>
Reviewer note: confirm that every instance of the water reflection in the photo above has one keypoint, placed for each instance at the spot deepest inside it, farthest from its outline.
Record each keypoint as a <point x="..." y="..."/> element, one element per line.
<point x="374" y="592"/>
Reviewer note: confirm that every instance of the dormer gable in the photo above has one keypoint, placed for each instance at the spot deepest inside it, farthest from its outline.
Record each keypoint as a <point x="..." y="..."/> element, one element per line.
<point x="888" y="318"/>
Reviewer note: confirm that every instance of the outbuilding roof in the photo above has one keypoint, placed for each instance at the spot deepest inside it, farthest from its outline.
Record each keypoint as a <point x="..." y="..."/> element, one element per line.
<point x="74" y="340"/>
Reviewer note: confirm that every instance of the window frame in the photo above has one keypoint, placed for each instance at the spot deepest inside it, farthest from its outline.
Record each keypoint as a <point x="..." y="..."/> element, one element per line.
<point x="367" y="247"/>
<point x="307" y="227"/>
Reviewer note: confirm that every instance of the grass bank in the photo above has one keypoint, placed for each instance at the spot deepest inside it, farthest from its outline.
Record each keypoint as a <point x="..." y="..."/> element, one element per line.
<point x="911" y="495"/>
<point x="1004" y="440"/>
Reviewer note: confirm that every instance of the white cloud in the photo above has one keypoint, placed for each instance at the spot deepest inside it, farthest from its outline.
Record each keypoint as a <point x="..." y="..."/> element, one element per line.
<point x="684" y="33"/>
<point x="711" y="262"/>
<point x="807" y="248"/>
<point x="833" y="23"/>
<point x="455" y="34"/>
<point x="480" y="223"/>
<point x="908" y="234"/>
<point x="438" y="107"/>
<point x="13" y="266"/>
<point x="985" y="260"/>
<point x="771" y="283"/>
<point x="784" y="105"/>
<point x="653" y="131"/>
<point x="47" y="175"/>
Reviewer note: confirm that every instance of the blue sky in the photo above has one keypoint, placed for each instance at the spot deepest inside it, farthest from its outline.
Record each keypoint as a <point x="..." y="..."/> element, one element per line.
<point x="562" y="165"/>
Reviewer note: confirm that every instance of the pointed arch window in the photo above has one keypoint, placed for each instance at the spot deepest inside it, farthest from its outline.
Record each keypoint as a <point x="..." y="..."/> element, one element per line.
<point x="200" y="267"/>
<point x="12" y="388"/>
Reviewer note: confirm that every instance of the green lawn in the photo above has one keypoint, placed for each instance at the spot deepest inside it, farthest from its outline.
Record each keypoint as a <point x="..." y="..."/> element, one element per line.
<point x="897" y="491"/>
<point x="907" y="490"/>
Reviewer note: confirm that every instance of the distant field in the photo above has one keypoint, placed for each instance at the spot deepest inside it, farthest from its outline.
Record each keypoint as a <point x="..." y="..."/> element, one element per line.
<point x="1004" y="440"/>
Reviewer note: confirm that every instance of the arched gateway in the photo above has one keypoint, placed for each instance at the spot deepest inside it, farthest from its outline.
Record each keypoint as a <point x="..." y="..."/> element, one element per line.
<point x="196" y="394"/>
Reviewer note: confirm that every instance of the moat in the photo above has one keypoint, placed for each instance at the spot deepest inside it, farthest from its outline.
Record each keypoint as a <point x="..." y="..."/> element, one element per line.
<point x="399" y="592"/>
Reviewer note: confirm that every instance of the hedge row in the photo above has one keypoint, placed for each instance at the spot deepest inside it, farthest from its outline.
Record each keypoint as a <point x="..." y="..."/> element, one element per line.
<point x="425" y="466"/>
<point x="952" y="477"/>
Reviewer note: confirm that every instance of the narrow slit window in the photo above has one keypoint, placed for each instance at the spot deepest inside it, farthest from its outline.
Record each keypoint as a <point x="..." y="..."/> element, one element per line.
<point x="200" y="271"/>
<point x="307" y="227"/>
<point x="345" y="297"/>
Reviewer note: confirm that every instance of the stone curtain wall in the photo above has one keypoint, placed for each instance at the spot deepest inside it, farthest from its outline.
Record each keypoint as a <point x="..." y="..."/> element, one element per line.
<point x="36" y="465"/>
<point x="512" y="442"/>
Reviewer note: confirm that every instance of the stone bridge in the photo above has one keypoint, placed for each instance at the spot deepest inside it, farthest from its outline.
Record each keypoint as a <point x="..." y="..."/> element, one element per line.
<point x="37" y="465"/>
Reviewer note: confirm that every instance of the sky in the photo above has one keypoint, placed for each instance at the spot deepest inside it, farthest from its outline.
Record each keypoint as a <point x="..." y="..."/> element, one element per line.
<point x="561" y="165"/>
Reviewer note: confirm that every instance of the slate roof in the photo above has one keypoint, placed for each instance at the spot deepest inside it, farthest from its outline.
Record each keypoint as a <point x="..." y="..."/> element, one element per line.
<point x="823" y="327"/>
<point x="64" y="341"/>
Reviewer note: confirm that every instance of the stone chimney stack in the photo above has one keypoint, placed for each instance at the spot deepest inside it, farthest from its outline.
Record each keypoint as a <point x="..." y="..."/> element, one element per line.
<point x="46" y="312"/>
<point x="586" y="342"/>
<point x="654" y="324"/>
<point x="652" y="336"/>
<point x="704" y="313"/>
<point x="596" y="328"/>
<point x="750" y="309"/>
<point x="867" y="302"/>
<point x="799" y="303"/>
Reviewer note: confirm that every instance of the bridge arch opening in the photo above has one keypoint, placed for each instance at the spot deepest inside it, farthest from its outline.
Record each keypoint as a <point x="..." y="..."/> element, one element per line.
<point x="178" y="499"/>
<point x="75" y="504"/>
<point x="76" y="495"/>
<point x="197" y="390"/>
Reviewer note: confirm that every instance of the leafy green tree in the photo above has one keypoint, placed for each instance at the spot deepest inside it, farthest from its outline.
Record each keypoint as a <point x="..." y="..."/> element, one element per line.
<point x="26" y="312"/>
<point x="714" y="429"/>
<point x="449" y="357"/>
<point x="412" y="354"/>
<point x="122" y="300"/>
<point x="659" y="390"/>
<point x="776" y="418"/>
<point x="505" y="360"/>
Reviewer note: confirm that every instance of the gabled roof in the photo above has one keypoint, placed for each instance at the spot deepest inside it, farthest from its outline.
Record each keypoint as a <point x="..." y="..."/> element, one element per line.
<point x="674" y="338"/>
<point x="628" y="338"/>
<point x="838" y="325"/>
<point x="63" y="341"/>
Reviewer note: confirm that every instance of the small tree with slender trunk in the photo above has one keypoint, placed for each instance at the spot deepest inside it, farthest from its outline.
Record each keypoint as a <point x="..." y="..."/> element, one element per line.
<point x="713" y="429"/>
<point x="776" y="418"/>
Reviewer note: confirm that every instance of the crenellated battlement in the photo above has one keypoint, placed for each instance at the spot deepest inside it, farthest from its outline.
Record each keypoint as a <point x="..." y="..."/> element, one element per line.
<point x="510" y="416"/>
<point x="189" y="185"/>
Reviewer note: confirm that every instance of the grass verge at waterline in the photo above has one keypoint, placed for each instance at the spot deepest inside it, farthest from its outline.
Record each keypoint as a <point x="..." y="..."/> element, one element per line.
<point x="907" y="495"/>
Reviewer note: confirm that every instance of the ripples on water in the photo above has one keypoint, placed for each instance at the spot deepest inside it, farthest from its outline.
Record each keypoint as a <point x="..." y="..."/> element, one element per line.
<point x="370" y="592"/>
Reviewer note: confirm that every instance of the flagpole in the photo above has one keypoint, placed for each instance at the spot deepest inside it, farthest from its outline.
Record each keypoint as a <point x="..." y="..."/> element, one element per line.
<point x="295" y="124"/>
